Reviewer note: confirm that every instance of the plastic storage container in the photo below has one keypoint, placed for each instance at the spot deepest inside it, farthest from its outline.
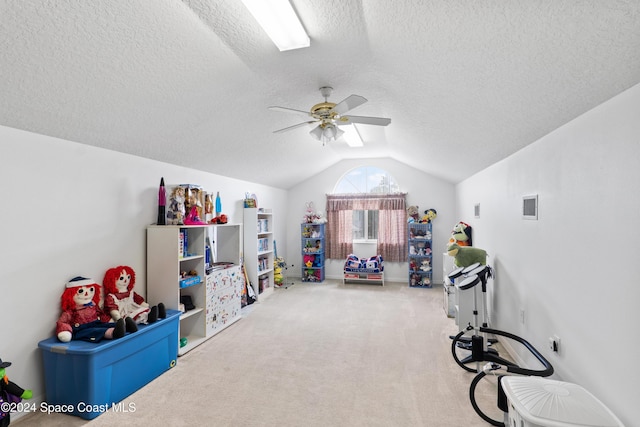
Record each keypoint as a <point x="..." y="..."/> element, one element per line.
<point x="541" y="402"/>
<point x="86" y="379"/>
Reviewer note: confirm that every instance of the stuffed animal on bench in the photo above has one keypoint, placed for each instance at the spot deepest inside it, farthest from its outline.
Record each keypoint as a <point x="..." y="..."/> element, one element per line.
<point x="82" y="318"/>
<point x="122" y="302"/>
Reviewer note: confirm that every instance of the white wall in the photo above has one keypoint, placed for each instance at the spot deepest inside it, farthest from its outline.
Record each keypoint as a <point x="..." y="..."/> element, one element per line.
<point x="422" y="190"/>
<point x="573" y="270"/>
<point x="71" y="209"/>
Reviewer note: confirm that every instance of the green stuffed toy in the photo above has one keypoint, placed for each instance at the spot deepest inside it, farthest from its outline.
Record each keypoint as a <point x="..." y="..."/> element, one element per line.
<point x="466" y="255"/>
<point x="10" y="394"/>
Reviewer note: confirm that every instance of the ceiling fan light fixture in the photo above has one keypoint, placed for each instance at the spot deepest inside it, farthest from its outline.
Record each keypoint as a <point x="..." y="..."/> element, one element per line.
<point x="317" y="132"/>
<point x="326" y="132"/>
<point x="331" y="132"/>
<point x="280" y="22"/>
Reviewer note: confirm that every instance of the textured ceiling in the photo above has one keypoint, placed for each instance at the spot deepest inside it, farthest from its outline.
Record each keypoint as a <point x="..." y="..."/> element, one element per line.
<point x="189" y="82"/>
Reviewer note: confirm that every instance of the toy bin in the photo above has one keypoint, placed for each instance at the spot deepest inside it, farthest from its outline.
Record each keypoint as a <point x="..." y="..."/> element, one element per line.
<point x="87" y="379"/>
<point x="541" y="402"/>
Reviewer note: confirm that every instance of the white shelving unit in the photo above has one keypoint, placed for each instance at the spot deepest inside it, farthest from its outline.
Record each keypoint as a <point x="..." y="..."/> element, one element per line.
<point x="258" y="250"/>
<point x="214" y="292"/>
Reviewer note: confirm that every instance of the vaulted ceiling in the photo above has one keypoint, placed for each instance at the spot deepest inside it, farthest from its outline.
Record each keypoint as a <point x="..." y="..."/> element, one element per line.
<point x="465" y="83"/>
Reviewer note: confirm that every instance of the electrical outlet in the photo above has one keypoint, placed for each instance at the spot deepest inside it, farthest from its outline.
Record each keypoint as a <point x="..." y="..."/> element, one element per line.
<point x="554" y="343"/>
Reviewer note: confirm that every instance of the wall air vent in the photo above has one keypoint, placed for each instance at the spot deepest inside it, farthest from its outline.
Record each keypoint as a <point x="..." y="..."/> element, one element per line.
<point x="530" y="207"/>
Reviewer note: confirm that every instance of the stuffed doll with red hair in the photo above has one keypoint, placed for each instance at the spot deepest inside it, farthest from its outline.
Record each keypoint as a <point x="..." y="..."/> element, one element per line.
<point x="122" y="302"/>
<point x="82" y="318"/>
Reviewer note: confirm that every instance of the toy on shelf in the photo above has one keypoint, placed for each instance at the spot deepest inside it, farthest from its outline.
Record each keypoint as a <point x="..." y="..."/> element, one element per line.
<point x="162" y="201"/>
<point x="122" y="302"/>
<point x="194" y="198"/>
<point x="413" y="214"/>
<point x="461" y="234"/>
<point x="311" y="216"/>
<point x="177" y="209"/>
<point x="208" y="208"/>
<point x="82" y="318"/>
<point x="429" y="215"/>
<point x="10" y="394"/>
<point x="193" y="218"/>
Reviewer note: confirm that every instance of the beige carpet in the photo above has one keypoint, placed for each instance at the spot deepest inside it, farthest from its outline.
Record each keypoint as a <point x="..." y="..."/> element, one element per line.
<point x="312" y="355"/>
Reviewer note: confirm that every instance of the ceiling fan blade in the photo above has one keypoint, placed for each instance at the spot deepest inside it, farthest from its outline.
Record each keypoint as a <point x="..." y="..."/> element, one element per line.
<point x="294" y="126"/>
<point x="291" y="110"/>
<point x="347" y="120"/>
<point x="349" y="103"/>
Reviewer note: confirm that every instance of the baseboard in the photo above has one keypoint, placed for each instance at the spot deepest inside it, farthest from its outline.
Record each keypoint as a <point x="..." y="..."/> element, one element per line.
<point x="513" y="355"/>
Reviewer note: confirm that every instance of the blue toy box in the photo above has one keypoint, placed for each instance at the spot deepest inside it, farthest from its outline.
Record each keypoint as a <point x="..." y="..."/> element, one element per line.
<point x="88" y="378"/>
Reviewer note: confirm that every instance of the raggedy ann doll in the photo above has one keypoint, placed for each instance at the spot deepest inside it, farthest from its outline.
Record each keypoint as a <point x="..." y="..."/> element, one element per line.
<point x="122" y="302"/>
<point x="10" y="394"/>
<point x="82" y="318"/>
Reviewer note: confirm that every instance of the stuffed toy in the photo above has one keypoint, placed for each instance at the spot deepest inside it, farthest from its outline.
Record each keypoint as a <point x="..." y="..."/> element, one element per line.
<point x="82" y="318"/>
<point x="415" y="280"/>
<point x="277" y="276"/>
<point x="466" y="255"/>
<point x="371" y="263"/>
<point x="352" y="261"/>
<point x="311" y="276"/>
<point x="311" y="216"/>
<point x="220" y="219"/>
<point x="308" y="260"/>
<point x="122" y="302"/>
<point x="413" y="214"/>
<point x="10" y="394"/>
<point x="317" y="262"/>
<point x="429" y="215"/>
<point x="426" y="265"/>
<point x="461" y="234"/>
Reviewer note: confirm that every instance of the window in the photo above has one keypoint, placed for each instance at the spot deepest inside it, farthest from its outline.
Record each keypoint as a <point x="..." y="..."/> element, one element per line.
<point x="366" y="206"/>
<point x="365" y="225"/>
<point x="366" y="180"/>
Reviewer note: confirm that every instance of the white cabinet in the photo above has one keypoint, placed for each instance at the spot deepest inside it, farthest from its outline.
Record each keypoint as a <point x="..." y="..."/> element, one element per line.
<point x="258" y="249"/>
<point x="196" y="265"/>
<point x="224" y="289"/>
<point x="449" y="302"/>
<point x="463" y="300"/>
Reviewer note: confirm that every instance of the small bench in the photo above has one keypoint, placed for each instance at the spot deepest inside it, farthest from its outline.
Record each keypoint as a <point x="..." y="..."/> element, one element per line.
<point x="89" y="378"/>
<point x="364" y="270"/>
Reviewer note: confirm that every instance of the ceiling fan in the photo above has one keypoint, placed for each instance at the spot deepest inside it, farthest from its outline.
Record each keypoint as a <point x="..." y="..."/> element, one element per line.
<point x="329" y="116"/>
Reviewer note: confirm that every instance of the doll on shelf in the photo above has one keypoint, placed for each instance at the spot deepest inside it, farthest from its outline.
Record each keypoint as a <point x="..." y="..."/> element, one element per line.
<point x="122" y="302"/>
<point x="82" y="318"/>
<point x="177" y="210"/>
